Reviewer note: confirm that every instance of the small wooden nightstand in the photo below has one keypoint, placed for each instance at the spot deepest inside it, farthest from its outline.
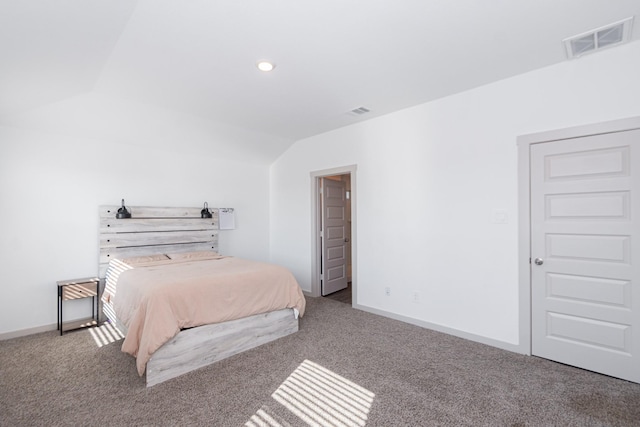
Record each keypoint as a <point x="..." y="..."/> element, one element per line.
<point x="76" y="289"/>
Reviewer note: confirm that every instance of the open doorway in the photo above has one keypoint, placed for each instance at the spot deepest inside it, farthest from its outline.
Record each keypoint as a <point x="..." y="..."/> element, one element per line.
<point x="333" y="241"/>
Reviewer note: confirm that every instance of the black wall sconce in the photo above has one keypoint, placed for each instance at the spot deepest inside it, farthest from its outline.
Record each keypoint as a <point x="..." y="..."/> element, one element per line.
<point x="205" y="213"/>
<point x="123" y="212"/>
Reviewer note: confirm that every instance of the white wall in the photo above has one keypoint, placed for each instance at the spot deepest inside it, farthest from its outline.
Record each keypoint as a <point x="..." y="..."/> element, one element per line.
<point x="50" y="189"/>
<point x="429" y="179"/>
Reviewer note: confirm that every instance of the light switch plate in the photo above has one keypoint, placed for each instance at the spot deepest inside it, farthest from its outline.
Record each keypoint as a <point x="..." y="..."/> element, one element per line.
<point x="499" y="216"/>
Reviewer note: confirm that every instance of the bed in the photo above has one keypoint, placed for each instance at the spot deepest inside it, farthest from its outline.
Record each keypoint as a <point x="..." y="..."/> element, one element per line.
<point x="156" y="261"/>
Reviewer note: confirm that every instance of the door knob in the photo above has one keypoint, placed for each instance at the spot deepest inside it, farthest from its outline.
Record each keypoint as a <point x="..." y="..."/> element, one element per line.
<point x="539" y="261"/>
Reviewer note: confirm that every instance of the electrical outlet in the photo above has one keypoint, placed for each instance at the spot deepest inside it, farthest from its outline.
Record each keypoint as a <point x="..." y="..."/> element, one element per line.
<point x="387" y="291"/>
<point x="416" y="297"/>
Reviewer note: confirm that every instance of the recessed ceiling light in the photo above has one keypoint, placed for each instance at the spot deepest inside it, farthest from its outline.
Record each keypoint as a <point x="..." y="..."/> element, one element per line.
<point x="265" y="66"/>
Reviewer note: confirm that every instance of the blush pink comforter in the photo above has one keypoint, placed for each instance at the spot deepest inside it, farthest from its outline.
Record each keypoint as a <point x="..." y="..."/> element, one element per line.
<point x="158" y="299"/>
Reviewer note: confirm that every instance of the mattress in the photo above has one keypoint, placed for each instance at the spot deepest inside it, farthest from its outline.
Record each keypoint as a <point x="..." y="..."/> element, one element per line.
<point x="156" y="297"/>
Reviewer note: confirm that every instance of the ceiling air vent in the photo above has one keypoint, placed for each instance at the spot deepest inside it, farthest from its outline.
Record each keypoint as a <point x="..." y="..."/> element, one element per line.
<point x="598" y="39"/>
<point x="360" y="111"/>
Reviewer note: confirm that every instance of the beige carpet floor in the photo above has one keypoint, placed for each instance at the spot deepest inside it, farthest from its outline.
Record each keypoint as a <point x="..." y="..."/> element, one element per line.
<point x="344" y="367"/>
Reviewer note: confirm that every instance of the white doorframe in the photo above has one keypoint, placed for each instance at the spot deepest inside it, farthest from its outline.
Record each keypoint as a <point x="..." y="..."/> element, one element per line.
<point x="524" y="208"/>
<point x="315" y="231"/>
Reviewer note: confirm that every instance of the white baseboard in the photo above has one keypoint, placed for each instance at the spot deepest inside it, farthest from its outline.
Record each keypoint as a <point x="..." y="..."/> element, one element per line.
<point x="29" y="331"/>
<point x="433" y="326"/>
<point x="444" y="329"/>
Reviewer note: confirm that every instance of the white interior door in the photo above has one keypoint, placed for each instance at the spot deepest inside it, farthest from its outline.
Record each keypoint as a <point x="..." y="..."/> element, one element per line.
<point x="585" y="267"/>
<point x="334" y="236"/>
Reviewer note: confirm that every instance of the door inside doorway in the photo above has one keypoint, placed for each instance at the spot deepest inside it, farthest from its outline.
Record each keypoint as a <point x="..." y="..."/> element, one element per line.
<point x="334" y="230"/>
<point x="585" y="256"/>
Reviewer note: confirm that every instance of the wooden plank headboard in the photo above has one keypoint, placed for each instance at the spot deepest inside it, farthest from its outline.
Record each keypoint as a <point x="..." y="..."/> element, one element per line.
<point x="153" y="230"/>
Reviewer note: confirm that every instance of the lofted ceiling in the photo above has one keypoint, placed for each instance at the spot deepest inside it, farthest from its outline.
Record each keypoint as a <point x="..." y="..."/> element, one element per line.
<point x="154" y="69"/>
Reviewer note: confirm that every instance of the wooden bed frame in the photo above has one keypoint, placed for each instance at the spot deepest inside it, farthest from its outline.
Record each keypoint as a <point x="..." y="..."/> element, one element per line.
<point x="153" y="230"/>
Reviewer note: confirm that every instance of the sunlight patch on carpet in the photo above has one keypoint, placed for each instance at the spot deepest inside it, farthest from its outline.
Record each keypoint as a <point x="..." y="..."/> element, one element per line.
<point x="105" y="334"/>
<point x="320" y="397"/>
<point x="264" y="417"/>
